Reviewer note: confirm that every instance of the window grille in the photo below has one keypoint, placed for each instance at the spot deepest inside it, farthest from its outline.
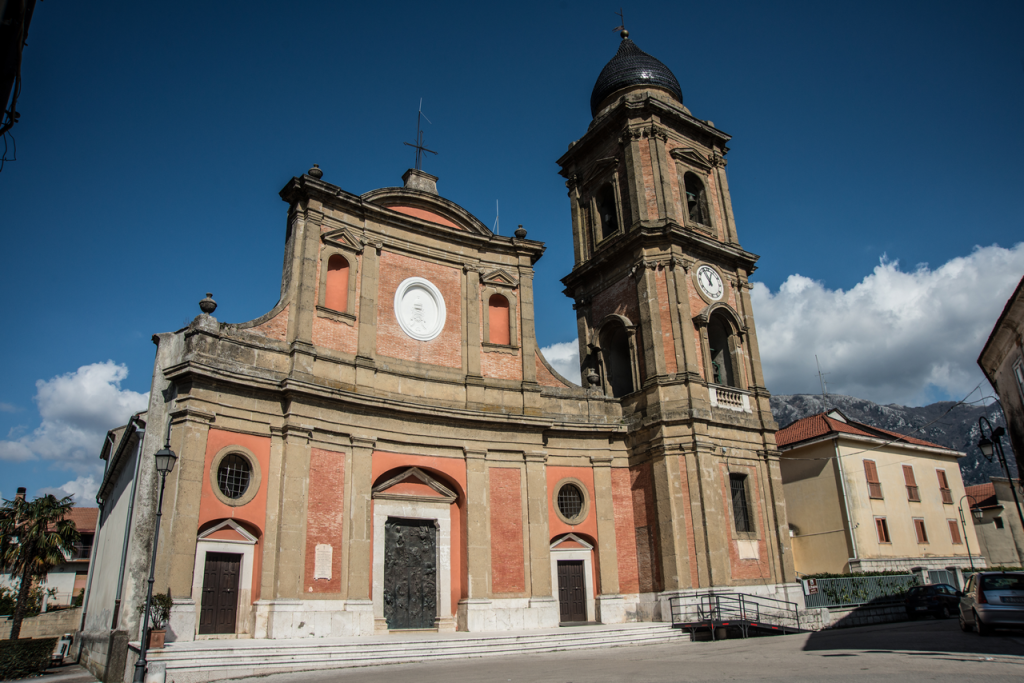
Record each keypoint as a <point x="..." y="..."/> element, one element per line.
<point x="570" y="501"/>
<point x="233" y="476"/>
<point x="947" y="495"/>
<point x="740" y="510"/>
<point x="912" y="492"/>
<point x="874" y="485"/>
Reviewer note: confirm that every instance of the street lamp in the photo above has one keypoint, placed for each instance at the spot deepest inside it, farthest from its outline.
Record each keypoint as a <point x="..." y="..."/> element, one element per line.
<point x="995" y="445"/>
<point x="165" y="459"/>
<point x="977" y="513"/>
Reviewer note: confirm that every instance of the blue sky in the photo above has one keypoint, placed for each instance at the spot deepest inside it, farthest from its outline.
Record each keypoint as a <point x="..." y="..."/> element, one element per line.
<point x="875" y="147"/>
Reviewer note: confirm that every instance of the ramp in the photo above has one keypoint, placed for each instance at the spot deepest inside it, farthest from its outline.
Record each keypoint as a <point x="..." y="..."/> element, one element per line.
<point x="751" y="615"/>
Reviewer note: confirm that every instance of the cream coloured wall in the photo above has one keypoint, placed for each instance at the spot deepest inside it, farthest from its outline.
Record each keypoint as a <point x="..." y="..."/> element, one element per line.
<point x="810" y="480"/>
<point x="895" y="507"/>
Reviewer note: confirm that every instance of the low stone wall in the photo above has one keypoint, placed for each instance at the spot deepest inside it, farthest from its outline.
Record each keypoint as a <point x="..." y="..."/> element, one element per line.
<point x="862" y="615"/>
<point x="104" y="654"/>
<point x="45" y="625"/>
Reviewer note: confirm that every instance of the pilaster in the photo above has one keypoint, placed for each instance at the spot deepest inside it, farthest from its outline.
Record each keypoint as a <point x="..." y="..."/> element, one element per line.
<point x="307" y="243"/>
<point x="650" y="317"/>
<point x="275" y="474"/>
<point x="471" y="281"/>
<point x="671" y="522"/>
<point x="537" y="502"/>
<point x="367" y="344"/>
<point x="291" y="534"/>
<point x="478" y="523"/>
<point x="607" y="548"/>
<point x="360" y="519"/>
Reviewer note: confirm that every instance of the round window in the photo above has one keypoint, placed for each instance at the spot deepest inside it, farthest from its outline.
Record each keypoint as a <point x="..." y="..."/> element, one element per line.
<point x="234" y="475"/>
<point x="570" y="501"/>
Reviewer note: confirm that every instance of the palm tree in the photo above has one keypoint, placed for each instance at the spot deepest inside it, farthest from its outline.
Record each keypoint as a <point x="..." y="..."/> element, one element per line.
<point x="34" y="538"/>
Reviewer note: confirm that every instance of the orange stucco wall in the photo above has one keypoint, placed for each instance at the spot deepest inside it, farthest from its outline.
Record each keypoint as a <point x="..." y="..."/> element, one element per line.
<point x="254" y="513"/>
<point x="425" y="215"/>
<point x="453" y="472"/>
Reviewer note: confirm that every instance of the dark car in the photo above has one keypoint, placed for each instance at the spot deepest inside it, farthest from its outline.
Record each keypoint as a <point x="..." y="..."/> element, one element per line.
<point x="938" y="599"/>
<point x="993" y="600"/>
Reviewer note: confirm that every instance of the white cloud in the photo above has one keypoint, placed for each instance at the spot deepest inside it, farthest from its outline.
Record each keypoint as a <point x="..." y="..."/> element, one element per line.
<point x="896" y="337"/>
<point x="8" y="408"/>
<point x="77" y="409"/>
<point x="565" y="359"/>
<point x="82" y="489"/>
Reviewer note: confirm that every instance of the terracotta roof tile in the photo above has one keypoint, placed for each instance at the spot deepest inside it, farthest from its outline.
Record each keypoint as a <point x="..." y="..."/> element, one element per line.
<point x="84" y="518"/>
<point x="821" y="424"/>
<point x="981" y="495"/>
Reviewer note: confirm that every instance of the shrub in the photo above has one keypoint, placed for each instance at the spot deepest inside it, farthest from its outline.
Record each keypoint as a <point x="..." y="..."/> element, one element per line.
<point x="76" y="601"/>
<point x="9" y="598"/>
<point x="23" y="658"/>
<point x="159" y="609"/>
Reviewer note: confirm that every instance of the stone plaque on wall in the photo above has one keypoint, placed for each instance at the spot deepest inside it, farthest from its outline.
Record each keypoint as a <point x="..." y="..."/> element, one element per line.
<point x="324" y="559"/>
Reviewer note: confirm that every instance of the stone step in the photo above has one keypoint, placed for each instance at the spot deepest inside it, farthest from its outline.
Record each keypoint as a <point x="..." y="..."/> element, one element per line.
<point x="203" y="661"/>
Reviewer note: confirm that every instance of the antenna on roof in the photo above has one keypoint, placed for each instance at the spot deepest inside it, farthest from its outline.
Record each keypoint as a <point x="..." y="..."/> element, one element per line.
<point x="420" y="149"/>
<point x="821" y="379"/>
<point x="497" y="215"/>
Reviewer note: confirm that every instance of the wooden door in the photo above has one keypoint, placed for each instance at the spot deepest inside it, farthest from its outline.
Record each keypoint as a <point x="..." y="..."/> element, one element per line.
<point x="220" y="593"/>
<point x="572" y="599"/>
<point x="410" y="573"/>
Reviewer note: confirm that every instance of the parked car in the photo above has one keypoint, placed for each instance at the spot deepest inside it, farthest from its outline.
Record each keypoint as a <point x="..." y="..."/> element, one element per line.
<point x="938" y="599"/>
<point x="993" y="600"/>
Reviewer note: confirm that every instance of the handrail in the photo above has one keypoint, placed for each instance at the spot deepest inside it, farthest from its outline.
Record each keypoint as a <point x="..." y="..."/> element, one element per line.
<point x="715" y="608"/>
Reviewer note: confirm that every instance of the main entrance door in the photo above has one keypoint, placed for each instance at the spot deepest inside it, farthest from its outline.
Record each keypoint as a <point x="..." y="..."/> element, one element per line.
<point x="410" y="573"/>
<point x="572" y="599"/>
<point x="220" y="593"/>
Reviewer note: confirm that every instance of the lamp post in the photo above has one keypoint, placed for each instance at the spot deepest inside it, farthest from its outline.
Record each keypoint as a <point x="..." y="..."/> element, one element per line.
<point x="995" y="444"/>
<point x="977" y="513"/>
<point x="165" y="459"/>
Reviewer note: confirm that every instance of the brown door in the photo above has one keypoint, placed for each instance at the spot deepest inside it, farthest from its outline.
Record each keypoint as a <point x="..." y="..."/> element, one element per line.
<point x="572" y="601"/>
<point x="220" y="593"/>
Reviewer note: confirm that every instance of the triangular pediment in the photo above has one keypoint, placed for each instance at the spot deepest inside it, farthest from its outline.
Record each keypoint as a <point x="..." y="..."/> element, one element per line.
<point x="228" y="531"/>
<point x="414" y="485"/>
<point x="499" y="278"/>
<point x="692" y="157"/>
<point x="571" y="542"/>
<point x="342" y="237"/>
<point x="599" y="168"/>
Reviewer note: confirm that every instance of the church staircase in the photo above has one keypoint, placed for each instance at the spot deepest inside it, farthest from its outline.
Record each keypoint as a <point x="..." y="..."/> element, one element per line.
<point x="213" y="660"/>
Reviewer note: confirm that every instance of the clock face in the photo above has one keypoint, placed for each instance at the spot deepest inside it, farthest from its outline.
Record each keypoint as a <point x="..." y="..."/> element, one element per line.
<point x="710" y="282"/>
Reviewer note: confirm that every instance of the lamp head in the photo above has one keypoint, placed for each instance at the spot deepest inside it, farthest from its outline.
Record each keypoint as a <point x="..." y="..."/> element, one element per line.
<point x="165" y="459"/>
<point x="986" y="446"/>
<point x="977" y="513"/>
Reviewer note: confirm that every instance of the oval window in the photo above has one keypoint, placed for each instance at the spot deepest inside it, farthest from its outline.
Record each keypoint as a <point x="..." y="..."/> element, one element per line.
<point x="570" y="501"/>
<point x="234" y="475"/>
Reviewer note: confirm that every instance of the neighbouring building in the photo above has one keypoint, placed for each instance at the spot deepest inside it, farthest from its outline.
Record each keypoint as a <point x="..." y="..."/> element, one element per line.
<point x="861" y="498"/>
<point x="387" y="448"/>
<point x="66" y="580"/>
<point x="1000" y="537"/>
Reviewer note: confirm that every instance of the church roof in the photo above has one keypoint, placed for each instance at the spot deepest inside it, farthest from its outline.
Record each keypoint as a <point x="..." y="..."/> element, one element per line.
<point x="630" y="67"/>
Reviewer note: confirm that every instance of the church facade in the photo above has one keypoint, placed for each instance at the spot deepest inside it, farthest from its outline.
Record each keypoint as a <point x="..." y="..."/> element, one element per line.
<point x="387" y="448"/>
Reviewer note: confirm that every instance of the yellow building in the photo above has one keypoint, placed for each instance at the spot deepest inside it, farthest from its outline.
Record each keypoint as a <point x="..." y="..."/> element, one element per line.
<point x="866" y="499"/>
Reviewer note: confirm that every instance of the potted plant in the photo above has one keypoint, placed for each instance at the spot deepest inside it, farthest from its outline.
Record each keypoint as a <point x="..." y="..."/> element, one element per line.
<point x="159" y="613"/>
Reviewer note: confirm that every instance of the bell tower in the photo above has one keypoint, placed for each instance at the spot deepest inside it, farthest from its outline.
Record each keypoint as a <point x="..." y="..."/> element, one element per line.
<point x="662" y="298"/>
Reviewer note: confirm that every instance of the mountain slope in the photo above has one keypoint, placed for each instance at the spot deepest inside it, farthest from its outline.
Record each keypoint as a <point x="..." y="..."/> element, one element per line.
<point x="956" y="428"/>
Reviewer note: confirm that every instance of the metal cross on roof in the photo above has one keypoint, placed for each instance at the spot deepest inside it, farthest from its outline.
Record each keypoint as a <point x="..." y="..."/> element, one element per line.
<point x="622" y="26"/>
<point x="420" y="149"/>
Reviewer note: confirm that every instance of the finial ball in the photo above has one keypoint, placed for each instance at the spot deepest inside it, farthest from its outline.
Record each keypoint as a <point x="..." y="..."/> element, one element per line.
<point x="624" y="34"/>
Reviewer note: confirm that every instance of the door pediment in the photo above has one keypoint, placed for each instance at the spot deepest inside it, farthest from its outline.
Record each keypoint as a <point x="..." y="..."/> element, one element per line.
<point x="414" y="485"/>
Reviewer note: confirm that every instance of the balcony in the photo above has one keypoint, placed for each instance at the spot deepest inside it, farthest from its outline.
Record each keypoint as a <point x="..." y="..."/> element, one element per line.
<point x="729" y="398"/>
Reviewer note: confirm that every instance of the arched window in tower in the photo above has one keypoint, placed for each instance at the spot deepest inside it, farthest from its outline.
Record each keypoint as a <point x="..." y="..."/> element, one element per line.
<point x="498" y="322"/>
<point x="719" y="334"/>
<point x="336" y="297"/>
<point x="696" y="200"/>
<point x="607" y="213"/>
<point x="618" y="361"/>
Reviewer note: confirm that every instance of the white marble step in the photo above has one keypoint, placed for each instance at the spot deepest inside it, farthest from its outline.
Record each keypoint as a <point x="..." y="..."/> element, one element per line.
<point x="203" y="661"/>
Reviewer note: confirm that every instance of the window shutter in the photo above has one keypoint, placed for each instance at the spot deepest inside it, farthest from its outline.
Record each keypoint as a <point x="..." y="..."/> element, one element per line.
<point x="908" y="474"/>
<point x="922" y="535"/>
<point x="943" y="484"/>
<point x="883" y="530"/>
<point x="954" y="532"/>
<point x="947" y="495"/>
<point x="871" y="473"/>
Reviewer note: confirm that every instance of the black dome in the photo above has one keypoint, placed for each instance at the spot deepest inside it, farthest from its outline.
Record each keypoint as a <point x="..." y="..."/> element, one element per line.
<point x="629" y="67"/>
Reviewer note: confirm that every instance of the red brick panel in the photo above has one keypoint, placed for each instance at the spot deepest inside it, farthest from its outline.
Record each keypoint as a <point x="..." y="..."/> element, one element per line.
<point x="275" y="328"/>
<point x="446" y="348"/>
<point x="324" y="521"/>
<point x="544" y="376"/>
<point x="508" y="573"/>
<point x="647" y="170"/>
<point x="625" y="534"/>
<point x="746" y="569"/>
<point x="495" y="363"/>
<point x="691" y="537"/>
<point x="333" y="334"/>
<point x="636" y="530"/>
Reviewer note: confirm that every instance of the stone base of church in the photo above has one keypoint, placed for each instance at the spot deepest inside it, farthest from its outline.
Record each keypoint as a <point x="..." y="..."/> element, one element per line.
<point x="507" y="614"/>
<point x="313" y="618"/>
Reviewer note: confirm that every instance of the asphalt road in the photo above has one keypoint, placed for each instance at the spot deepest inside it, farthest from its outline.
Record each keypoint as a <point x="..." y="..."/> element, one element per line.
<point x="926" y="650"/>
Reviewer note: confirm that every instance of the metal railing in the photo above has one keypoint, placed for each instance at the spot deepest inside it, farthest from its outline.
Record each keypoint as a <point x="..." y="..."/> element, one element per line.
<point x="723" y="608"/>
<point x="859" y="590"/>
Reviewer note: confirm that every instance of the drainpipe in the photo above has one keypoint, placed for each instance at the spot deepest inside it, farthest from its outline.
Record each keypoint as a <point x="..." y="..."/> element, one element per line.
<point x="846" y="499"/>
<point x="127" y="526"/>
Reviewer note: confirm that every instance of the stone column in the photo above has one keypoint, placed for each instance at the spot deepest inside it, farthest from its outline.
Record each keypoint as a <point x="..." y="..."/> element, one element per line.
<point x="541" y="597"/>
<point x="747" y="312"/>
<point x="367" y="344"/>
<point x="360" y="520"/>
<point x="471" y="280"/>
<point x="610" y="605"/>
<point x="688" y="361"/>
<point x="730" y="233"/>
<point x="474" y="609"/>
<point x="291" y="527"/>
<point x="662" y="179"/>
<point x="668" y="498"/>
<point x="650" y="318"/>
<point x="275" y="473"/>
<point x="634" y="178"/>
